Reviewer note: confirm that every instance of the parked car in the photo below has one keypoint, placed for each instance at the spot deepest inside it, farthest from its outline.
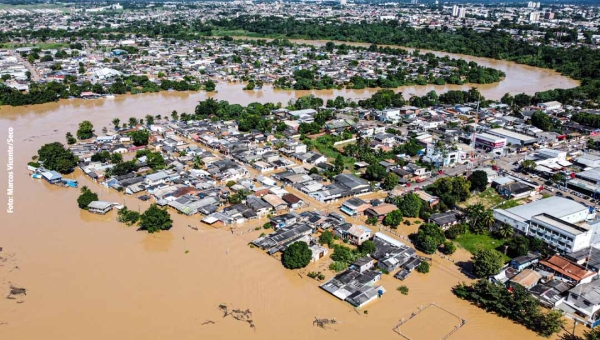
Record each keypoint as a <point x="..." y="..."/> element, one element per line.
<point x="559" y="194"/>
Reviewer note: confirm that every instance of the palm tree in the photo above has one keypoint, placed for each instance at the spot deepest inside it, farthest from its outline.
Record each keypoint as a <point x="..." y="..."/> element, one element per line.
<point x="116" y="122"/>
<point x="487" y="220"/>
<point x="506" y="231"/>
<point x="198" y="163"/>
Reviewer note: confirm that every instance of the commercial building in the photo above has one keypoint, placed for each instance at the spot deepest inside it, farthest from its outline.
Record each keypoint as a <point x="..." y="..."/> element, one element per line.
<point x="512" y="137"/>
<point x="489" y="142"/>
<point x="559" y="222"/>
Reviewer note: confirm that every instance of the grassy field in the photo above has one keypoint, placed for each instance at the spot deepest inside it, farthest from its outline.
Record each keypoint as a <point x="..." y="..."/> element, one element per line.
<point x="489" y="198"/>
<point x="473" y="243"/>
<point x="508" y="204"/>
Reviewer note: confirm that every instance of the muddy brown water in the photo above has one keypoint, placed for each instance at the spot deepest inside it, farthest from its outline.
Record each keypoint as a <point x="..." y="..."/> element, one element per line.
<point x="89" y="277"/>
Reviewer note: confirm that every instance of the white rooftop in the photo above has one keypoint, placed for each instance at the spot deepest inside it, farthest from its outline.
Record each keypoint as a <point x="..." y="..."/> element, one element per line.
<point x="554" y="206"/>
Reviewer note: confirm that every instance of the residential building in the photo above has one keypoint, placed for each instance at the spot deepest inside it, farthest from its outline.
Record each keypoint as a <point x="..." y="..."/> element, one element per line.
<point x="100" y="207"/>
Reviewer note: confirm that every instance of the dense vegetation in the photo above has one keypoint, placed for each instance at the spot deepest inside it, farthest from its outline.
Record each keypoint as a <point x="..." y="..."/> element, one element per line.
<point x="155" y="219"/>
<point x="450" y="190"/>
<point x="516" y="304"/>
<point x="40" y="93"/>
<point x="54" y="156"/>
<point x="428" y="238"/>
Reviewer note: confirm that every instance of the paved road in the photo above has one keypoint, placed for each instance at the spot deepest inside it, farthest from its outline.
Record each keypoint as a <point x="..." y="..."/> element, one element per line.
<point x="35" y="76"/>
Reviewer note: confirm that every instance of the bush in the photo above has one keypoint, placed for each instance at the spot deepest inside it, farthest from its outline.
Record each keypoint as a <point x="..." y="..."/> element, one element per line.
<point x="428" y="238"/>
<point x="455" y="231"/>
<point x="338" y="266"/>
<point x="403" y="290"/>
<point x="129" y="217"/>
<point x="317" y="276"/>
<point x="296" y="255"/>
<point x="267" y="225"/>
<point x="367" y="247"/>
<point x="407" y="222"/>
<point x="449" y="248"/>
<point x="487" y="263"/>
<point x="326" y="238"/>
<point x="423" y="268"/>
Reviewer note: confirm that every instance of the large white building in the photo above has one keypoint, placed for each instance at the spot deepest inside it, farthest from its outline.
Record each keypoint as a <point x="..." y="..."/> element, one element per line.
<point x="489" y="142"/>
<point x="512" y="137"/>
<point x="559" y="222"/>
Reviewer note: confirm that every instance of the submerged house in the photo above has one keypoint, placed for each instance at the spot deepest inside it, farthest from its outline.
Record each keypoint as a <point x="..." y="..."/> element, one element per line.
<point x="355" y="287"/>
<point x="52" y="176"/>
<point x="100" y="207"/>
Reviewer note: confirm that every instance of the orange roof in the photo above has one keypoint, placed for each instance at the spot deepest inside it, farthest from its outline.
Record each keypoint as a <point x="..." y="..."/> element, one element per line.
<point x="567" y="268"/>
<point x="383" y="209"/>
<point x="527" y="278"/>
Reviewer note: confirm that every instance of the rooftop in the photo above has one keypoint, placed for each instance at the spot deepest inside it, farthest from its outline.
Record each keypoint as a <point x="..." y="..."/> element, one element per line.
<point x="554" y="206"/>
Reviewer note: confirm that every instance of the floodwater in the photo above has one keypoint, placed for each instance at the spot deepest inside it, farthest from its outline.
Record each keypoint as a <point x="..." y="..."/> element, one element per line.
<point x="89" y="277"/>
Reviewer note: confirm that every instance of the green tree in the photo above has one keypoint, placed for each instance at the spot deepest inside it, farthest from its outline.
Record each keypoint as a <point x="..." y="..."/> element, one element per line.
<point x="410" y="205"/>
<point x="517" y="246"/>
<point x="505" y="231"/>
<point x="542" y="121"/>
<point x="129" y="217"/>
<point x="375" y="172"/>
<point x="209" y="85"/>
<point x="390" y="181"/>
<point x="174" y="115"/>
<point x="149" y="120"/>
<point x="326" y="238"/>
<point x="393" y="219"/>
<point x="456" y="230"/>
<point x="116" y="158"/>
<point x="86" y="197"/>
<point x="479" y="180"/>
<point x="139" y="137"/>
<point x="296" y="255"/>
<point x="339" y="164"/>
<point x="528" y="165"/>
<point x="132" y="122"/>
<point x="54" y="156"/>
<point x="428" y="238"/>
<point x="198" y="162"/>
<point x="372" y="220"/>
<point x="368" y="247"/>
<point x="449" y="248"/>
<point x="487" y="262"/>
<point x="155" y="219"/>
<point x="86" y="130"/>
<point x="70" y="139"/>
<point x="116" y="122"/>
<point x="423" y="268"/>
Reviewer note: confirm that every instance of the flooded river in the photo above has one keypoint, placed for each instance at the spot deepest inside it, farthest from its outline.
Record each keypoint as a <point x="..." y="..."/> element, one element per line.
<point x="89" y="277"/>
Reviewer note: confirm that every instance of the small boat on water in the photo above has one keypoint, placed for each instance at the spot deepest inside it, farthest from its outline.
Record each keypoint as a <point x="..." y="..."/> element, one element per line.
<point x="192" y="227"/>
<point x="109" y="96"/>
